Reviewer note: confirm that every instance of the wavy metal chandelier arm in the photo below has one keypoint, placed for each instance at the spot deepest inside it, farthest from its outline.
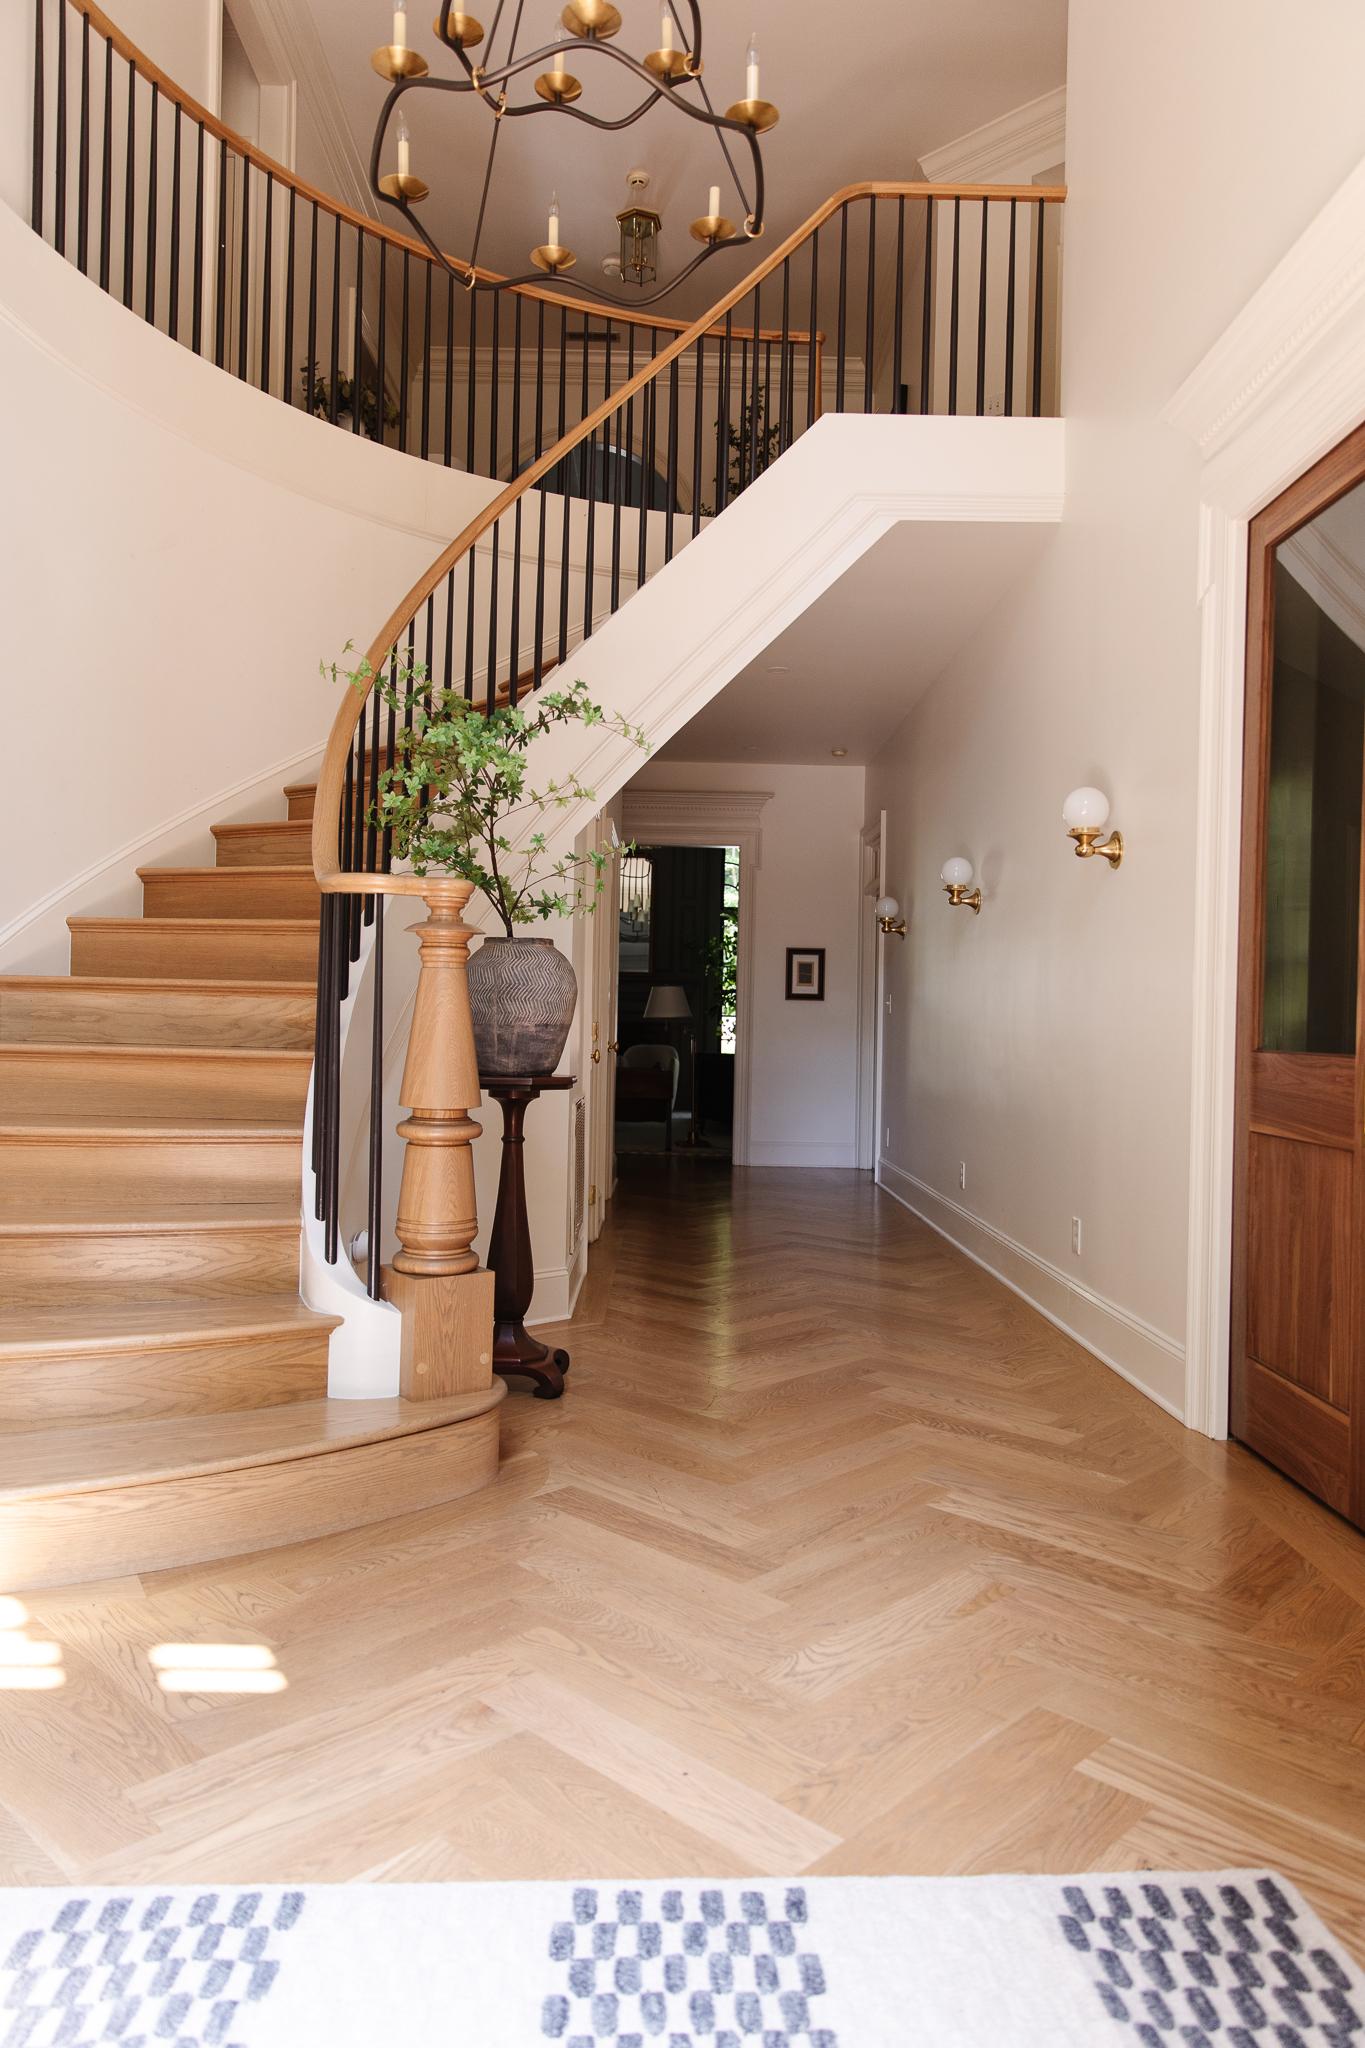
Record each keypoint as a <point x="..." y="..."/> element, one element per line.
<point x="491" y="86"/>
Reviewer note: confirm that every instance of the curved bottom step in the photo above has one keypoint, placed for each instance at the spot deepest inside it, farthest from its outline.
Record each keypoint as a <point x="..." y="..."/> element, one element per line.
<point x="101" y="1502"/>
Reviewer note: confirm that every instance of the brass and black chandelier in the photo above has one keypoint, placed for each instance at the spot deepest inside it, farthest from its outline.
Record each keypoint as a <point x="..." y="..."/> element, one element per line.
<point x="671" y="74"/>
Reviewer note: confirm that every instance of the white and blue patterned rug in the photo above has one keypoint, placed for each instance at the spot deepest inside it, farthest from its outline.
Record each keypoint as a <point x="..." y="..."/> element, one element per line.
<point x="1230" y="1959"/>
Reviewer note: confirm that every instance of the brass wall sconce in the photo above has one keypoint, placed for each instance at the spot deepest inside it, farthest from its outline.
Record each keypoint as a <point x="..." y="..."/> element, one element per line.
<point x="1085" y="814"/>
<point x="888" y="917"/>
<point x="955" y="877"/>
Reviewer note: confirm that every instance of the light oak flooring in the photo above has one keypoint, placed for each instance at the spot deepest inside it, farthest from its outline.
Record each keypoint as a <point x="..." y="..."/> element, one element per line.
<point x="835" y="1558"/>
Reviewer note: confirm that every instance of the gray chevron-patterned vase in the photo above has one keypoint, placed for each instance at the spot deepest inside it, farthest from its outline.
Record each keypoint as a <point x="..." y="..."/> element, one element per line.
<point x="523" y="993"/>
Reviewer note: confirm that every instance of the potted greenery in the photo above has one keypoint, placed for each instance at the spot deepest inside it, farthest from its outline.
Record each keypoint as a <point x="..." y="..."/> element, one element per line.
<point x="459" y="779"/>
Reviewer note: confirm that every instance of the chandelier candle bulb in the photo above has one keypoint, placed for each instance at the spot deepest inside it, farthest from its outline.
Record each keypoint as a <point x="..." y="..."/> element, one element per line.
<point x="404" y="149"/>
<point x="713" y="201"/>
<point x="400" y="28"/>
<point x="552" y="238"/>
<point x="666" y="30"/>
<point x="751" y="73"/>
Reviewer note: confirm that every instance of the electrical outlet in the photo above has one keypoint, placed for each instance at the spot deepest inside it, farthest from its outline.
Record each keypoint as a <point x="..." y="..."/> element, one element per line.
<point x="1076" y="1235"/>
<point x="995" y="405"/>
<point x="962" y="1173"/>
<point x="888" y="1134"/>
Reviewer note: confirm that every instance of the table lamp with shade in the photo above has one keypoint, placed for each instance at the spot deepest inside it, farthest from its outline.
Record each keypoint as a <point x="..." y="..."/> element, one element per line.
<point x="666" y="1001"/>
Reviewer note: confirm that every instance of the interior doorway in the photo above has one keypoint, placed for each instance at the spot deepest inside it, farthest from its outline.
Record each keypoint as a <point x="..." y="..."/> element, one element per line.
<point x="1298" y="1324"/>
<point x="677" y="1002"/>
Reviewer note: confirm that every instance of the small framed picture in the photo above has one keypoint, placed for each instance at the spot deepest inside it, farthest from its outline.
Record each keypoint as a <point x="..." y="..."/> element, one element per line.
<point x="805" y="974"/>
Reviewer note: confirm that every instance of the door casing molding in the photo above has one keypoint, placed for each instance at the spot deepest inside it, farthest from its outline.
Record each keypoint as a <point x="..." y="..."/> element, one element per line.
<point x="1275" y="393"/>
<point x="714" y="817"/>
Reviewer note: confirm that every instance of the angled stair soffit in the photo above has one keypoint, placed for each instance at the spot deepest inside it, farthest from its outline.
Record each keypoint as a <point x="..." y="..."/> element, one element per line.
<point x="1017" y="146"/>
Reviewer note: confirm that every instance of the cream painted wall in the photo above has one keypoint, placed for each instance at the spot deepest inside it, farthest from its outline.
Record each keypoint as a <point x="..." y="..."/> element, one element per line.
<point x="803" y="1102"/>
<point x="1047" y="1042"/>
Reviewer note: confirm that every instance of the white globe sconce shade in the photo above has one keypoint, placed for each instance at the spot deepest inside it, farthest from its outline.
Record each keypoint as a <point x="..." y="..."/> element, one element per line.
<point x="888" y="916"/>
<point x="1085" y="815"/>
<point x="955" y="877"/>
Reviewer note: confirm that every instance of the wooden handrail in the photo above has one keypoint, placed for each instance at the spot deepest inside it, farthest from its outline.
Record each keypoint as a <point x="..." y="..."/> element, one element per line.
<point x="177" y="96"/>
<point x="332" y="775"/>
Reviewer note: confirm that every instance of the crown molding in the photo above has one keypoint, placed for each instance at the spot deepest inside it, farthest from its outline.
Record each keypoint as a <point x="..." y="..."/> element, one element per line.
<point x="1286" y="380"/>
<point x="1009" y="150"/>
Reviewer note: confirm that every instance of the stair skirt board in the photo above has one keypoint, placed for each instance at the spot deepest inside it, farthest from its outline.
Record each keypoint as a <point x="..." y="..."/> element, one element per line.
<point x="399" y="1460"/>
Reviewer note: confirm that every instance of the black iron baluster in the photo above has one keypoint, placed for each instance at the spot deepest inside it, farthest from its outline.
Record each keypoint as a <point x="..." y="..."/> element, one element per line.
<point x="375" y="1205"/>
<point x="813" y="367"/>
<point x="149" y="295"/>
<point x="563" y="486"/>
<point x="59" y="203"/>
<point x="588" y="453"/>
<point x="1038" y="322"/>
<point x="403" y="357"/>
<point x="334" y="378"/>
<point x="491" y="677"/>
<point x="652" y="393"/>
<point x="469" y="382"/>
<point x="130" y="188"/>
<point x="671" y="487"/>
<point x="765" y="389"/>
<point x="244" y="277"/>
<point x="629" y="444"/>
<point x="953" y="308"/>
<point x="107" y="162"/>
<point x="495" y="381"/>
<point x="380" y="375"/>
<point x="267" y="259"/>
<point x="197" y="310"/>
<point x="426" y="367"/>
<point x="649" y="413"/>
<point x="450" y="631"/>
<point x="83" y="162"/>
<point x="1009" y="318"/>
<point x="310" y="399"/>
<point x="514" y="640"/>
<point x="871" y="302"/>
<point x="371" y="794"/>
<point x="220" y="312"/>
<point x="617" y="472"/>
<point x="753" y="395"/>
<point x="723" y="416"/>
<point x="924" y="394"/>
<point x="472" y="559"/>
<point x="783" y="381"/>
<point x="537" y="653"/>
<point x="450" y="374"/>
<point x="843" y="309"/>
<point x="319" y="1043"/>
<point x="358" y="335"/>
<point x="697" y="434"/>
<point x="39" y="108"/>
<point x="897" y="337"/>
<point x="981" y="317"/>
<point x="173" y="287"/>
<point x="287" y="366"/>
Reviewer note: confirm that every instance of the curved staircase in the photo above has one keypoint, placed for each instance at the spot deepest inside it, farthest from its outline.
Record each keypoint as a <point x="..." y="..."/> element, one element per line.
<point x="163" y="1389"/>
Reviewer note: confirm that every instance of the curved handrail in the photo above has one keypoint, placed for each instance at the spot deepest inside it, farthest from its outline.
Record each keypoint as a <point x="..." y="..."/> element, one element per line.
<point x="332" y="878"/>
<point x="167" y="87"/>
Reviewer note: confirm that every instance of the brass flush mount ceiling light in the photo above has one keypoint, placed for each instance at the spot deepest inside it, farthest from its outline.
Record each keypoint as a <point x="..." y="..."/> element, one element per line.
<point x="670" y="74"/>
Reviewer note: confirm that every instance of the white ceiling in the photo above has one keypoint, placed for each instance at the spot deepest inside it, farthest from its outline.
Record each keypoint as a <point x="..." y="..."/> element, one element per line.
<point x="857" y="660"/>
<point x="863" y="91"/>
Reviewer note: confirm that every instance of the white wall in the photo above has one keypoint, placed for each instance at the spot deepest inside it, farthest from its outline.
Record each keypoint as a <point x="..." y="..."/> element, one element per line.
<point x="803" y="1099"/>
<point x="1047" y="1042"/>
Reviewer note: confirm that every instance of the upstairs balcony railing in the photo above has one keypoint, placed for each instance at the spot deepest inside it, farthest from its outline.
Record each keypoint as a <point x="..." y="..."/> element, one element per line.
<point x="614" y="434"/>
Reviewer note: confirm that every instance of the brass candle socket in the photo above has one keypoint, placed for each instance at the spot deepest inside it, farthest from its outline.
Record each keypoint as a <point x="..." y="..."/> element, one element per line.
<point x="760" y="115"/>
<point x="402" y="186"/>
<point x="591" y="18"/>
<point x="712" y="227"/>
<point x="461" y="28"/>
<point x="957" y="895"/>
<point x="394" y="63"/>
<point x="1088" y="841"/>
<point x="553" y="259"/>
<point x="558" y="87"/>
<point x="671" y="64"/>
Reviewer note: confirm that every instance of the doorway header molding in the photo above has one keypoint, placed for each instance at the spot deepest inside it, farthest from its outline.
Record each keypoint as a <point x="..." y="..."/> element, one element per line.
<point x="697" y="817"/>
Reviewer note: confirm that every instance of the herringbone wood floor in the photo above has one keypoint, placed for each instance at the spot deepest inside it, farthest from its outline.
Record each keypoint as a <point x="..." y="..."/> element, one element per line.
<point x="835" y="1558"/>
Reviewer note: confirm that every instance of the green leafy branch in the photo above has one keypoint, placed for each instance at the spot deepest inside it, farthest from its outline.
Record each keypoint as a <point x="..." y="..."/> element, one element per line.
<point x="459" y="781"/>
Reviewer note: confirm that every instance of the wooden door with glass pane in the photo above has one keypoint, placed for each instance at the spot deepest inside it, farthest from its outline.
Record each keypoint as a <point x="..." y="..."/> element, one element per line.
<point x="1298" y="1387"/>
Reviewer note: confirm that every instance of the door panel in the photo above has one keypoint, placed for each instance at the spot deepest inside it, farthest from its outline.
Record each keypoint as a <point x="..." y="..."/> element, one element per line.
<point x="1298" y="1308"/>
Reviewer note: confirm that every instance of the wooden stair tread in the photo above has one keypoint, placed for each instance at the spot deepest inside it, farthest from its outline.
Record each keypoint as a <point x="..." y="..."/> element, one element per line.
<point x="139" y="1325"/>
<point x="129" y="984"/>
<point x="226" y="876"/>
<point x="63" y="1048"/>
<point x="41" y="1219"/>
<point x="52" y="1124"/>
<point x="38" y="1464"/>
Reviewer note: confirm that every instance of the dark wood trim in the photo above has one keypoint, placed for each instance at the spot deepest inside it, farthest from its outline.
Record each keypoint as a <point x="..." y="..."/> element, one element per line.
<point x="1257" y="1078"/>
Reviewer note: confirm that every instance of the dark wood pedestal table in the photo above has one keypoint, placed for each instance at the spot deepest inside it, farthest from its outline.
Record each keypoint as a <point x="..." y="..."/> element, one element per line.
<point x="515" y="1351"/>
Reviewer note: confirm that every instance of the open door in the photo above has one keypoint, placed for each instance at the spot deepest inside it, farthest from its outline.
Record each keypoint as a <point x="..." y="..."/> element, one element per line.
<point x="1298" y="1359"/>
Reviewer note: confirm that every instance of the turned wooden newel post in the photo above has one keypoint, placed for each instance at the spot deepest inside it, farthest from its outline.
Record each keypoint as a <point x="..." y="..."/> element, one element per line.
<point x="446" y="1298"/>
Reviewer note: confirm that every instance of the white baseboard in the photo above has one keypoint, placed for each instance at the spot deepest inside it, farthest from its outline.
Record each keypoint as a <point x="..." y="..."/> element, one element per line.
<point x="1144" y="1356"/>
<point x="556" y="1291"/>
<point x="762" y="1153"/>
